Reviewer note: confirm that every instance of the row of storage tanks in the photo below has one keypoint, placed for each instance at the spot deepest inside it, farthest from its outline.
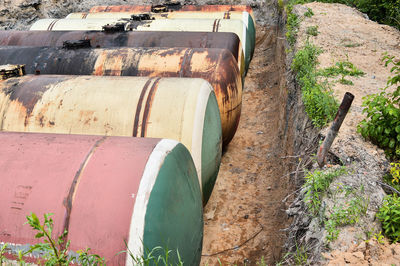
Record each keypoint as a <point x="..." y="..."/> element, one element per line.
<point x="172" y="74"/>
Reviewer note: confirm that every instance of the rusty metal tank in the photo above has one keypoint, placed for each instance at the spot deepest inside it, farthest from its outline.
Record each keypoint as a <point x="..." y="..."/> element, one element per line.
<point x="170" y="39"/>
<point x="173" y="7"/>
<point x="217" y="66"/>
<point x="239" y="15"/>
<point x="102" y="190"/>
<point x="182" y="109"/>
<point x="193" y="25"/>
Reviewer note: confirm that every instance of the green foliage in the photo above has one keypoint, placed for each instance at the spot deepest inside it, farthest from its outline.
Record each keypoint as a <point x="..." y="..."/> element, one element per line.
<point x="318" y="100"/>
<point x="346" y="214"/>
<point x="309" y="13"/>
<point x="395" y="172"/>
<point x="312" y="30"/>
<point x="2" y="252"/>
<point x="156" y="256"/>
<point x="55" y="251"/>
<point x="292" y="26"/>
<point x="281" y="5"/>
<point x="389" y="215"/>
<point x="382" y="125"/>
<point x="316" y="185"/>
<point x="297" y="257"/>
<point x="342" y="68"/>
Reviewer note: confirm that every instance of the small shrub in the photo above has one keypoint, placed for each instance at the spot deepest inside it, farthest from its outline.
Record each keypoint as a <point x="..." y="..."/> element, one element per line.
<point x="346" y="214"/>
<point x="395" y="172"/>
<point x="309" y="13"/>
<point x="317" y="97"/>
<point x="389" y="215"/>
<point x="317" y="183"/>
<point x="342" y="68"/>
<point x="292" y="27"/>
<point x="382" y="125"/>
<point x="2" y="252"/>
<point x="312" y="30"/>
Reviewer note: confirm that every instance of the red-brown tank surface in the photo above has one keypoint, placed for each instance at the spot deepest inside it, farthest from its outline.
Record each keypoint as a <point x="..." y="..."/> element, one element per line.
<point x="217" y="66"/>
<point x="171" y="7"/>
<point x="170" y="39"/>
<point x="103" y="191"/>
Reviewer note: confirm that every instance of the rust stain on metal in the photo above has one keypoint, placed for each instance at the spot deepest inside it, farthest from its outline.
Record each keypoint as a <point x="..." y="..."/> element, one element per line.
<point x="172" y="8"/>
<point x="185" y="64"/>
<point x="28" y="91"/>
<point x="68" y="201"/>
<point x="139" y="107"/>
<point x="147" y="108"/>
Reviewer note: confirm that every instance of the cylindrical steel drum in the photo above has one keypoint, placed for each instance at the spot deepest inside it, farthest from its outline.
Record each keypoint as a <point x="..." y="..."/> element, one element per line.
<point x="196" y="25"/>
<point x="170" y="39"/>
<point x="181" y="109"/>
<point x="103" y="191"/>
<point x="239" y="15"/>
<point x="173" y="8"/>
<point x="214" y="65"/>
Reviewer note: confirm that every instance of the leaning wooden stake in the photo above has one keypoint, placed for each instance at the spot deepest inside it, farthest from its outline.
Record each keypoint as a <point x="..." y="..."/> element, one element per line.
<point x="332" y="133"/>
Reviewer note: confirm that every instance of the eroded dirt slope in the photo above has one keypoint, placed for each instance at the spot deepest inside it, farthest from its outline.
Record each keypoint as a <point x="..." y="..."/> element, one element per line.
<point x="344" y="34"/>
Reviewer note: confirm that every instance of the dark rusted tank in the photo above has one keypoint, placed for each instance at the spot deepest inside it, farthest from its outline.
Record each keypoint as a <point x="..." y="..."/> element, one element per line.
<point x="169" y="39"/>
<point x="217" y="66"/>
<point x="102" y="191"/>
<point x="146" y="24"/>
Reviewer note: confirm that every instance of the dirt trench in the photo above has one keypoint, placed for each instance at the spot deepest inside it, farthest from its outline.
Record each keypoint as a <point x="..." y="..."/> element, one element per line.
<point x="245" y="216"/>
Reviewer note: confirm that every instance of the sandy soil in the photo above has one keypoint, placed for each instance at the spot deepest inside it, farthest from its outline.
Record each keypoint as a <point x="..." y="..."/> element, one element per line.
<point x="346" y="34"/>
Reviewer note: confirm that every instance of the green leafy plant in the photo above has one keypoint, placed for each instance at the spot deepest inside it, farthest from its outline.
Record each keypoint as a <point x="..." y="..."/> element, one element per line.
<point x="309" y="13"/>
<point x="2" y="252"/>
<point x="55" y="250"/>
<point x="292" y="26"/>
<point x="342" y="68"/>
<point x="312" y="30"/>
<point x="316" y="184"/>
<point x="395" y="172"/>
<point x="389" y="215"/>
<point x="346" y="214"/>
<point x="296" y="257"/>
<point x="156" y="256"/>
<point x="317" y="97"/>
<point x="382" y="124"/>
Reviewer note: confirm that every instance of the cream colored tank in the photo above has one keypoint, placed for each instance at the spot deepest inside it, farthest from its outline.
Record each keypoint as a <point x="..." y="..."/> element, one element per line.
<point x="182" y="109"/>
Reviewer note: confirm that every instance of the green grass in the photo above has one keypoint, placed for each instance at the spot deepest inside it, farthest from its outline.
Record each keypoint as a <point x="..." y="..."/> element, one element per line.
<point x="348" y="213"/>
<point x="312" y="30"/>
<point x="316" y="185"/>
<point x="318" y="99"/>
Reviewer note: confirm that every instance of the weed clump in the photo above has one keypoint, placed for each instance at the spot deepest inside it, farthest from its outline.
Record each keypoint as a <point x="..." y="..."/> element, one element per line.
<point x="318" y="98"/>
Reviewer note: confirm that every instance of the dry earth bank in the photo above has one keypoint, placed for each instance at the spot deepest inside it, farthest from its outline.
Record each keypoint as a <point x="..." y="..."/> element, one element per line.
<point x="346" y="34"/>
